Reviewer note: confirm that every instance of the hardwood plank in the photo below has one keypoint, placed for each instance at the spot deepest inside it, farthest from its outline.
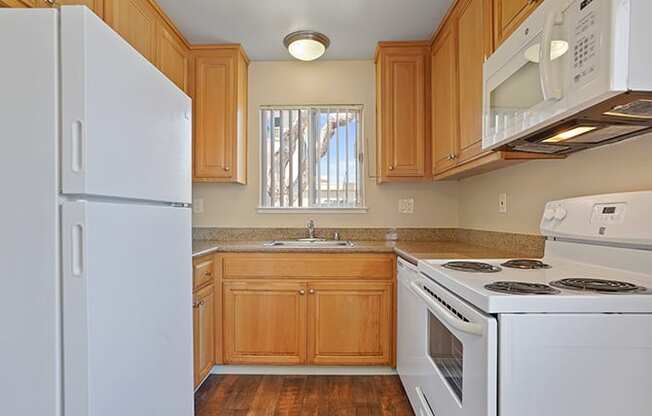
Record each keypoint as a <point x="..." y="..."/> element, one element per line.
<point x="244" y="392"/>
<point x="291" y="398"/>
<point x="271" y="395"/>
<point x="267" y="396"/>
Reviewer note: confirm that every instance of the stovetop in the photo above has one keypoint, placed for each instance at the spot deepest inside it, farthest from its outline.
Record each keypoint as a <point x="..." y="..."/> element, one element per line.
<point x="554" y="285"/>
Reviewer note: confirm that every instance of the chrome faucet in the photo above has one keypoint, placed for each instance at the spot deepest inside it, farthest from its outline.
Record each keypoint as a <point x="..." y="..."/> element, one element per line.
<point x="311" y="229"/>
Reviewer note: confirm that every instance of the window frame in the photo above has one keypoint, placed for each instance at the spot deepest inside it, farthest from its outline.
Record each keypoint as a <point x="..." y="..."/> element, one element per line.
<point x="312" y="209"/>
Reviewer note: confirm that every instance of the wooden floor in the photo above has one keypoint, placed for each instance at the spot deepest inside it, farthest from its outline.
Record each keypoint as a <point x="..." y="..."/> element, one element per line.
<point x="229" y="395"/>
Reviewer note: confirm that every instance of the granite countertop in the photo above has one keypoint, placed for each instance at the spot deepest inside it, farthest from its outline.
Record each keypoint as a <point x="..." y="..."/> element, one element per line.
<point x="409" y="250"/>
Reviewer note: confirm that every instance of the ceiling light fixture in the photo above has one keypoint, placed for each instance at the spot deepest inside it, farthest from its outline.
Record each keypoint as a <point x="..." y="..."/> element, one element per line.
<point x="306" y="45"/>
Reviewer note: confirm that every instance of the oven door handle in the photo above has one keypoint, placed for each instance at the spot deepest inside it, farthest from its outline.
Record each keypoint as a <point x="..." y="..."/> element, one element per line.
<point x="445" y="315"/>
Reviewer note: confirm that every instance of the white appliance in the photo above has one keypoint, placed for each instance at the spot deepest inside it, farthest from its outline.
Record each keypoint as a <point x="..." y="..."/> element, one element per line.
<point x="95" y="254"/>
<point x="574" y="330"/>
<point x="444" y="349"/>
<point x="575" y="74"/>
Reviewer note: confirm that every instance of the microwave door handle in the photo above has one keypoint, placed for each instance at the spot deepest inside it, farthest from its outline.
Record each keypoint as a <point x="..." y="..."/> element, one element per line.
<point x="549" y="86"/>
<point x="445" y="315"/>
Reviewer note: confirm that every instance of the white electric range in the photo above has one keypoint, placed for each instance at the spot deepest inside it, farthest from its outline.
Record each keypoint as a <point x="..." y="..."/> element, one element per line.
<point x="567" y="335"/>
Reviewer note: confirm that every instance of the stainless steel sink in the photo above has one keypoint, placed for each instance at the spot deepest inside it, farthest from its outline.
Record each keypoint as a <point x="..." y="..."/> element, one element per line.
<point x="310" y="242"/>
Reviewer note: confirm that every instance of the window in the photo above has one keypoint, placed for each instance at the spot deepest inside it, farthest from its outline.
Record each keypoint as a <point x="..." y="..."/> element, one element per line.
<point x="311" y="157"/>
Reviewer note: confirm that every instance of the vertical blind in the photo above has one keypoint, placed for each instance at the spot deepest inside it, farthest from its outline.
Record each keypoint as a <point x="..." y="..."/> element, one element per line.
<point x="311" y="157"/>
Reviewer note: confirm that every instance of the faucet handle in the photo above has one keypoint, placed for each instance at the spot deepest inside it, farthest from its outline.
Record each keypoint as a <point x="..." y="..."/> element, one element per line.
<point x="336" y="235"/>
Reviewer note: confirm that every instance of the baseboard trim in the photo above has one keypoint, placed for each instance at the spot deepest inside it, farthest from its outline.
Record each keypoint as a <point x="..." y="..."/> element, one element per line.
<point x="303" y="370"/>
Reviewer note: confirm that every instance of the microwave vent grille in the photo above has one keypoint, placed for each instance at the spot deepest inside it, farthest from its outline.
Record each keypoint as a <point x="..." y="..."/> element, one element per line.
<point x="636" y="109"/>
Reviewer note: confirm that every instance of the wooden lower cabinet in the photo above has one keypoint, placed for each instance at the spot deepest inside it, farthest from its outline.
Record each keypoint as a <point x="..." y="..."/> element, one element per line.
<point x="297" y="309"/>
<point x="349" y="323"/>
<point x="264" y="322"/>
<point x="204" y="324"/>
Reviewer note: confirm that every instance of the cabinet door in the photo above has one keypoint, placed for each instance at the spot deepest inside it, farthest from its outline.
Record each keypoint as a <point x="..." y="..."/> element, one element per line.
<point x="444" y="100"/>
<point x="215" y="109"/>
<point x="95" y="5"/>
<point x="136" y="22"/>
<point x="264" y="322"/>
<point x="172" y="57"/>
<point x="402" y="113"/>
<point x="509" y="14"/>
<point x="474" y="44"/>
<point x="349" y="323"/>
<point x="204" y="332"/>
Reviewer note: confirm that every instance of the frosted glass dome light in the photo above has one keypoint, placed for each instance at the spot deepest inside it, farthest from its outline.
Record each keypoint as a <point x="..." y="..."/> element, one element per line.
<point x="306" y="45"/>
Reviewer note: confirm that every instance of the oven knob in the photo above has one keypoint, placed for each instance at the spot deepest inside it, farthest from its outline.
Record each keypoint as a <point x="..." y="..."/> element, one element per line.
<point x="549" y="214"/>
<point x="560" y="213"/>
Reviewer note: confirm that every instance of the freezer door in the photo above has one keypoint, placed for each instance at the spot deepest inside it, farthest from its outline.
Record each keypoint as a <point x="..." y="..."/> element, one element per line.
<point x="126" y="129"/>
<point x="127" y="315"/>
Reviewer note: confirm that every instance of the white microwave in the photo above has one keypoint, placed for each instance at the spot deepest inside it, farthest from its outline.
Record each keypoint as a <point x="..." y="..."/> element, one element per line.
<point x="575" y="74"/>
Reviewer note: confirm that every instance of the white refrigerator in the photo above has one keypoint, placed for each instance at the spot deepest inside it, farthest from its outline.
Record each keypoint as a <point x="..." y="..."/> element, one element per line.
<point x="95" y="224"/>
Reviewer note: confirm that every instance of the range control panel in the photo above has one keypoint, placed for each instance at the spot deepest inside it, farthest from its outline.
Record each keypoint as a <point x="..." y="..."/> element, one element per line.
<point x="624" y="218"/>
<point x="608" y="213"/>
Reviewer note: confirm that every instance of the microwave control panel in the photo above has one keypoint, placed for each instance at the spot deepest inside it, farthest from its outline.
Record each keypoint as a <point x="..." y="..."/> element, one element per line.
<point x="585" y="48"/>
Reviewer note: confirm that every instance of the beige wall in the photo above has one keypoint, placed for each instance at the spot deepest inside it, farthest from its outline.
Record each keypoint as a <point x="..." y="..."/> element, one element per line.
<point x="322" y="82"/>
<point x="621" y="167"/>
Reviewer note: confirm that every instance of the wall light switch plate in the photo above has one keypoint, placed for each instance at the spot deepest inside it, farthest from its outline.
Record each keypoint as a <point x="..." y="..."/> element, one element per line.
<point x="198" y="206"/>
<point x="406" y="206"/>
<point x="502" y="203"/>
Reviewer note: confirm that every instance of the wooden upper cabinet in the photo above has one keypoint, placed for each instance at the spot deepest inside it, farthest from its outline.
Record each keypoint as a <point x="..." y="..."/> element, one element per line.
<point x="136" y="21"/>
<point x="172" y="57"/>
<point x="220" y="114"/>
<point x="509" y="14"/>
<point x="264" y="322"/>
<point x="204" y="325"/>
<point x="402" y="71"/>
<point x="96" y="6"/>
<point x="444" y="100"/>
<point x="350" y="323"/>
<point x="474" y="44"/>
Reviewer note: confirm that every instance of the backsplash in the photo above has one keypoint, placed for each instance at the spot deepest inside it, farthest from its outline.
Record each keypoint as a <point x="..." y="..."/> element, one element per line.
<point x="526" y="244"/>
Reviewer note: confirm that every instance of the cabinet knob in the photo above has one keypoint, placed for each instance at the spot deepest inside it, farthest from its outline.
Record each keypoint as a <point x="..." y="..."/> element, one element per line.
<point x="195" y="305"/>
<point x="311" y="291"/>
<point x="302" y="292"/>
<point x="226" y="168"/>
<point x="391" y="167"/>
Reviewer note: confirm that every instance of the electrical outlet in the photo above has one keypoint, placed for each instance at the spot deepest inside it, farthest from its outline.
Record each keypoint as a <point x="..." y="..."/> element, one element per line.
<point x="198" y="206"/>
<point x="406" y="206"/>
<point x="502" y="203"/>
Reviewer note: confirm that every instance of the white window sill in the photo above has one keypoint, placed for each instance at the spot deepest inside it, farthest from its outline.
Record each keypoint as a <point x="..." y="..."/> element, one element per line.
<point x="261" y="210"/>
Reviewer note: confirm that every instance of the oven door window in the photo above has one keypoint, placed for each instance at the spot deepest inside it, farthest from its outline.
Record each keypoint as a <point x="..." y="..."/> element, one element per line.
<point x="447" y="352"/>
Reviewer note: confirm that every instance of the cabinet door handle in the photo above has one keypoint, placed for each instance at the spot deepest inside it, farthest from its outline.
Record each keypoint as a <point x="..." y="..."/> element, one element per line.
<point x="311" y="291"/>
<point x="302" y="292"/>
<point x="208" y="274"/>
<point x="391" y="167"/>
<point x="195" y="305"/>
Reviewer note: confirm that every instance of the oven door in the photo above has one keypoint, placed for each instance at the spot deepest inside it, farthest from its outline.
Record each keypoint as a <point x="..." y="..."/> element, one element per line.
<point x="526" y="81"/>
<point x="461" y="354"/>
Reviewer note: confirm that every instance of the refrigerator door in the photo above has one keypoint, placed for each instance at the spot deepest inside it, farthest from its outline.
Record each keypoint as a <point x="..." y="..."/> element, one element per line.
<point x="126" y="129"/>
<point x="127" y="315"/>
<point x="29" y="262"/>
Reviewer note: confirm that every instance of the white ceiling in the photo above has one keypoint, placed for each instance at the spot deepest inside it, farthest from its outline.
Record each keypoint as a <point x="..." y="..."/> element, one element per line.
<point x="354" y="26"/>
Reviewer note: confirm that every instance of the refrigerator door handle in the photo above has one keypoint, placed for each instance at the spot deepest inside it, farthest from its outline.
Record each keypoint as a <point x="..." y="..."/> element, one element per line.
<point x="77" y="147"/>
<point x="77" y="250"/>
